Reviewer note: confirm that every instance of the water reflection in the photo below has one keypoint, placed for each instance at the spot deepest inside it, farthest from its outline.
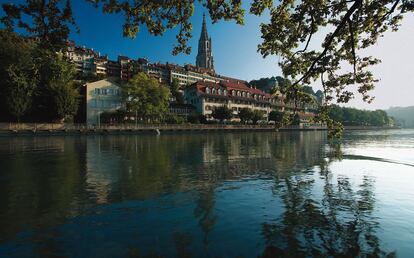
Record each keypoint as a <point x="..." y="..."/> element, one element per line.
<point x="213" y="195"/>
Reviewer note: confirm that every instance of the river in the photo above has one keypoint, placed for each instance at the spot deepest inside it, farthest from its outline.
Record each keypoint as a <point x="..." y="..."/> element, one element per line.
<point x="286" y="194"/>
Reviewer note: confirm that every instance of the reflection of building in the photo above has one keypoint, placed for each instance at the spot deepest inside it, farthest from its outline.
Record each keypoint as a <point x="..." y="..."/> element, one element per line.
<point x="101" y="96"/>
<point x="99" y="167"/>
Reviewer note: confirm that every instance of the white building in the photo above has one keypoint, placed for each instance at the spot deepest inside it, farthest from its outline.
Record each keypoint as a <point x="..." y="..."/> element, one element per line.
<point x="207" y="96"/>
<point x="101" y="96"/>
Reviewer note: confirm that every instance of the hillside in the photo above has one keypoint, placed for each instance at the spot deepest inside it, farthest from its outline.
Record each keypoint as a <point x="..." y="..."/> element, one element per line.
<point x="403" y="115"/>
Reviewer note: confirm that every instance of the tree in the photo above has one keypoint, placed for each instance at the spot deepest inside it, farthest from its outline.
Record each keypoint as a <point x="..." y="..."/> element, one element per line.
<point x="117" y="116"/>
<point x="175" y="91"/>
<point x="47" y="20"/>
<point x="65" y="99"/>
<point x="353" y="116"/>
<point x="222" y="113"/>
<point x="19" y="92"/>
<point x="245" y="115"/>
<point x="18" y="76"/>
<point x="173" y="119"/>
<point x="145" y="97"/>
<point x="36" y="83"/>
<point x="257" y="116"/>
<point x="56" y="95"/>
<point x="196" y="118"/>
<point x="277" y="117"/>
<point x="345" y="27"/>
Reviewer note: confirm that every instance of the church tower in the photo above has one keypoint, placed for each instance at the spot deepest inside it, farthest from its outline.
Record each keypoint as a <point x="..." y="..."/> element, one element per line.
<point x="204" y="56"/>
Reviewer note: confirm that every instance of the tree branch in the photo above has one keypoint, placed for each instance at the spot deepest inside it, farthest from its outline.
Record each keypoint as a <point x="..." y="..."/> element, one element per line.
<point x="385" y="16"/>
<point x="354" y="7"/>
<point x="351" y="31"/>
<point x="309" y="37"/>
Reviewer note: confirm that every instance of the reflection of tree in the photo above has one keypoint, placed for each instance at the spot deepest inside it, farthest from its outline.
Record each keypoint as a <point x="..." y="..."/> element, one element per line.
<point x="182" y="242"/>
<point x="43" y="179"/>
<point x="297" y="151"/>
<point x="339" y="224"/>
<point x="205" y="210"/>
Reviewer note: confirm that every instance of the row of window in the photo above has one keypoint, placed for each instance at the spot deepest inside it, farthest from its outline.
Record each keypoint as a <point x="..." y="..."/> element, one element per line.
<point x="234" y="109"/>
<point x="242" y="102"/>
<point x="114" y="92"/>
<point x="234" y="93"/>
<point x="105" y="104"/>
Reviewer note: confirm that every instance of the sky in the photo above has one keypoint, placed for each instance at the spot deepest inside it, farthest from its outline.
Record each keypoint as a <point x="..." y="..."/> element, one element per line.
<point x="235" y="50"/>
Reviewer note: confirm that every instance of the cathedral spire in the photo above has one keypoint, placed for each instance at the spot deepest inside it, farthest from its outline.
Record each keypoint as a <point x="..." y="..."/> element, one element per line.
<point x="204" y="34"/>
<point x="204" y="56"/>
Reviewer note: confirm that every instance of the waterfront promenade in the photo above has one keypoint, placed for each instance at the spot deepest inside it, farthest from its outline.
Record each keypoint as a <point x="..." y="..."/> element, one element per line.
<point x="10" y="129"/>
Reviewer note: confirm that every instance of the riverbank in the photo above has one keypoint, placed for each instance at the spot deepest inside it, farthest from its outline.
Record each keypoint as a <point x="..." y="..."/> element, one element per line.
<point x="27" y="129"/>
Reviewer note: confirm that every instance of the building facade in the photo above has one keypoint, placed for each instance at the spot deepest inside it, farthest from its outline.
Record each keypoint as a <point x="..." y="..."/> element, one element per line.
<point x="101" y="96"/>
<point x="207" y="96"/>
<point x="236" y="95"/>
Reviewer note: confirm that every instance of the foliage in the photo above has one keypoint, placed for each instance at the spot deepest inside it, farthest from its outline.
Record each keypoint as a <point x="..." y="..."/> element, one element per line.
<point x="356" y="117"/>
<point x="175" y="91"/>
<point x="89" y="77"/>
<point x="222" y="113"/>
<point x="158" y="16"/>
<point x="270" y="84"/>
<point x="117" y="116"/>
<point x="245" y="115"/>
<point x="173" y="119"/>
<point x="56" y="95"/>
<point x="48" y="20"/>
<point x="16" y="73"/>
<point x="146" y="97"/>
<point x="64" y="98"/>
<point x="404" y="116"/>
<point x="344" y="29"/>
<point x="36" y="83"/>
<point x="196" y="118"/>
<point x="257" y="116"/>
<point x="277" y="117"/>
<point x="19" y="92"/>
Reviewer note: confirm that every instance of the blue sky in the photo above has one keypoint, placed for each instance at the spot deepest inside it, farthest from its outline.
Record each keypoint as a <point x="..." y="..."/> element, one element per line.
<point x="234" y="46"/>
<point x="235" y="50"/>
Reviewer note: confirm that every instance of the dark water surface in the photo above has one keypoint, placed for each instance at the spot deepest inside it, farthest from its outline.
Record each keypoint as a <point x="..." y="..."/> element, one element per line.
<point x="208" y="195"/>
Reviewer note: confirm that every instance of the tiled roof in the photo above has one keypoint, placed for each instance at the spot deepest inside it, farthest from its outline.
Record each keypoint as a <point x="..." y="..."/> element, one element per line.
<point x="229" y="86"/>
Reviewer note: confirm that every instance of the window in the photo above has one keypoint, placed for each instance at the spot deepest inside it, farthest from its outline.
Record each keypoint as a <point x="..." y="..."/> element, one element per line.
<point x="97" y="91"/>
<point x="219" y="91"/>
<point x="233" y="92"/>
<point x="244" y="94"/>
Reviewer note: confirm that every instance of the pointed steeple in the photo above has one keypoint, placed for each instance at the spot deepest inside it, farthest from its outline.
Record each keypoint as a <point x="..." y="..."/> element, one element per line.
<point x="204" y="56"/>
<point x="204" y="34"/>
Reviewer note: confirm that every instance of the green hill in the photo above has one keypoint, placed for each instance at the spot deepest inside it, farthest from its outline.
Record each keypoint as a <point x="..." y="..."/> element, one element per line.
<point x="403" y="115"/>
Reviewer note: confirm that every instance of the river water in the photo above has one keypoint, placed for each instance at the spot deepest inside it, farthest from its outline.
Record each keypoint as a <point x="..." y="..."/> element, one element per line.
<point x="286" y="194"/>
